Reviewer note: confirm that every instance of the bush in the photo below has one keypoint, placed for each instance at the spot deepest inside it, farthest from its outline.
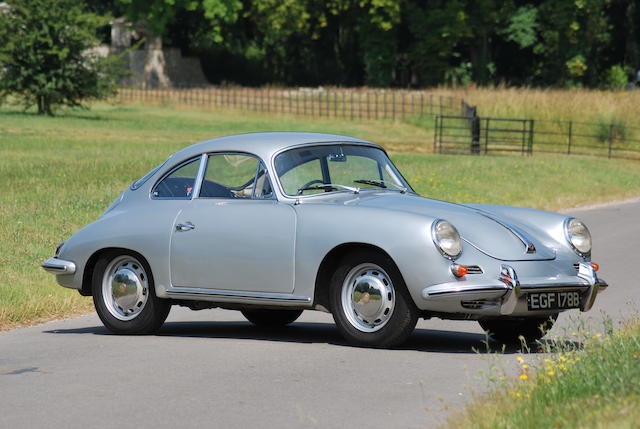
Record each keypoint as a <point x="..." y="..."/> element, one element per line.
<point x="616" y="78"/>
<point x="46" y="55"/>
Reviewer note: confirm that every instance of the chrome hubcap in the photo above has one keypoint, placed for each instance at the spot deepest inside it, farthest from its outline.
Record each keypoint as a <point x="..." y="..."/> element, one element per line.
<point x="368" y="297"/>
<point x="125" y="288"/>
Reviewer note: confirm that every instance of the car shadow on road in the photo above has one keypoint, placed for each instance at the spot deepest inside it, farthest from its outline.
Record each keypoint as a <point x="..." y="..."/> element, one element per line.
<point x="422" y="340"/>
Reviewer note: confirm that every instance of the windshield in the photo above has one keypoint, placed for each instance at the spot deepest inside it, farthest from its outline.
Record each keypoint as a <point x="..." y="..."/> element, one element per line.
<point x="311" y="169"/>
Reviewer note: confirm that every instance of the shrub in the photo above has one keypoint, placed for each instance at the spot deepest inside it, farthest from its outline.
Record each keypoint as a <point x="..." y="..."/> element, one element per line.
<point x="46" y="56"/>
<point x="616" y="78"/>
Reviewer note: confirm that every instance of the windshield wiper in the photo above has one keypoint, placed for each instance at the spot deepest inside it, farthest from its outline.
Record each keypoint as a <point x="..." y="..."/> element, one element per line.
<point x="380" y="184"/>
<point x="326" y="186"/>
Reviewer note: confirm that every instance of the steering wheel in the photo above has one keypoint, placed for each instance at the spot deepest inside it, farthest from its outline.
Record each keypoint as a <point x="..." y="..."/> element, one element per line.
<point x="313" y="182"/>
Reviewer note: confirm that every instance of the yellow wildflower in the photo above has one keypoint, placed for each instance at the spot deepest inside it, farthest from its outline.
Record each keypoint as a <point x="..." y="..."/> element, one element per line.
<point x="525" y="366"/>
<point x="523" y="376"/>
<point x="518" y="395"/>
<point x="520" y="359"/>
<point x="550" y="373"/>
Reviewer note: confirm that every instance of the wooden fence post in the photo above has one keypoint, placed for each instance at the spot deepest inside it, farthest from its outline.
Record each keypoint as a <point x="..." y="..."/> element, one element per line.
<point x="570" y="137"/>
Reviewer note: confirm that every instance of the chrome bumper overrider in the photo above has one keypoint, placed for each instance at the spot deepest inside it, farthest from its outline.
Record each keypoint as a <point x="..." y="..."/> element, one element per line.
<point x="58" y="266"/>
<point x="507" y="294"/>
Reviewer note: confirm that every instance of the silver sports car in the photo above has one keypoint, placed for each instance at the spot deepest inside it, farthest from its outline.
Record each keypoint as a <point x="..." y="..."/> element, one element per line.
<point x="272" y="224"/>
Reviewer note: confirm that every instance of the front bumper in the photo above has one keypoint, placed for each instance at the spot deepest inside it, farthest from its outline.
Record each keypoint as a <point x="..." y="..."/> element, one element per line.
<point x="58" y="266"/>
<point x="507" y="295"/>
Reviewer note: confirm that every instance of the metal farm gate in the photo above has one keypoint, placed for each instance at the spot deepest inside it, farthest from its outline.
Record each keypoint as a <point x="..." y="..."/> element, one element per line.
<point x="479" y="135"/>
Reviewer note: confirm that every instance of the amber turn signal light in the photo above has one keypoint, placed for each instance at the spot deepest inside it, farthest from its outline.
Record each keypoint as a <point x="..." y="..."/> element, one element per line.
<point x="595" y="266"/>
<point x="459" y="270"/>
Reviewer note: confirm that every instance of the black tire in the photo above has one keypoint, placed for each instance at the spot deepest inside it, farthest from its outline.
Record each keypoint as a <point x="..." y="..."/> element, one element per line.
<point x="401" y="318"/>
<point x="152" y="314"/>
<point x="509" y="330"/>
<point x="271" y="318"/>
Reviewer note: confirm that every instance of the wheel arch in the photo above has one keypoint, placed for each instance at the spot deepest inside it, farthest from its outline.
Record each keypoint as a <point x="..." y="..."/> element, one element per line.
<point x="87" y="275"/>
<point x="331" y="262"/>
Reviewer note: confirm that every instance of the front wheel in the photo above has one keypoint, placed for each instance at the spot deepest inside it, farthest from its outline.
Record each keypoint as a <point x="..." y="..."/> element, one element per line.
<point x="271" y="318"/>
<point x="509" y="330"/>
<point x="370" y="302"/>
<point x="124" y="295"/>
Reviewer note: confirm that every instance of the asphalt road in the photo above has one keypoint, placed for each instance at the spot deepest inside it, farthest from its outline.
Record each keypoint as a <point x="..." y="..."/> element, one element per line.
<point x="212" y="369"/>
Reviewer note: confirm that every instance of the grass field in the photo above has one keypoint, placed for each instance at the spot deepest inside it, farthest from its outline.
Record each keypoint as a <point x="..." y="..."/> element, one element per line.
<point x="597" y="387"/>
<point x="57" y="174"/>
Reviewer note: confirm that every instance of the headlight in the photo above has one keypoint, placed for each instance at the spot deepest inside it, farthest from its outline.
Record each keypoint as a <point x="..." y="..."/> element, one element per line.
<point x="578" y="236"/>
<point x="446" y="238"/>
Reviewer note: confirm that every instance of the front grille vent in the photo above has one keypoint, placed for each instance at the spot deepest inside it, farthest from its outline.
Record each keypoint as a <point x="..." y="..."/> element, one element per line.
<point x="479" y="304"/>
<point x="474" y="269"/>
<point x="576" y="266"/>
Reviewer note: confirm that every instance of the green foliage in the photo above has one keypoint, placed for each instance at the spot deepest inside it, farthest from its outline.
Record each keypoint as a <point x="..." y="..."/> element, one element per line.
<point x="436" y="32"/>
<point x="158" y="14"/>
<point x="577" y="66"/>
<point x="616" y="77"/>
<point x="588" y="380"/>
<point x="46" y="58"/>
<point x="460" y="75"/>
<point x="385" y="43"/>
<point x="574" y="34"/>
<point x="612" y="130"/>
<point x="522" y="26"/>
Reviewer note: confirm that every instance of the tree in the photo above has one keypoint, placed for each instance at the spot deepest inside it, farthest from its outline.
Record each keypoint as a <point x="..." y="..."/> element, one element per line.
<point x="573" y="35"/>
<point x="436" y="31"/>
<point x="46" y="56"/>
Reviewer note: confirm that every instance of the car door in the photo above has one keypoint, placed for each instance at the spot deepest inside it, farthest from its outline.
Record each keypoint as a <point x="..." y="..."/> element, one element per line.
<point x="234" y="235"/>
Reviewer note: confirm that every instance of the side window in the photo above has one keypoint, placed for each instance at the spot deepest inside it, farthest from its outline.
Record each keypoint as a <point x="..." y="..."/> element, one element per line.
<point x="234" y="176"/>
<point x="179" y="183"/>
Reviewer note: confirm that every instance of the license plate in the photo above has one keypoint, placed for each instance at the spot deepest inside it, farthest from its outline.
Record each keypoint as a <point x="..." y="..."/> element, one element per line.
<point x="553" y="300"/>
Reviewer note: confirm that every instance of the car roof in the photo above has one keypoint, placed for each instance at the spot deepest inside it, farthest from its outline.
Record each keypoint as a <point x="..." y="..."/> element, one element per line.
<point x="264" y="145"/>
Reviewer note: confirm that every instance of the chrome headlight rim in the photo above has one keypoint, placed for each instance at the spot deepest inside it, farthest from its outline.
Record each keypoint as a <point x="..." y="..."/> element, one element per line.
<point x="568" y="237"/>
<point x="437" y="240"/>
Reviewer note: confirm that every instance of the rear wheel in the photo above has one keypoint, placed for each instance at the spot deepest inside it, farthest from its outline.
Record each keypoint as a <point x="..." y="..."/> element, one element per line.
<point x="509" y="330"/>
<point x="124" y="295"/>
<point x="271" y="318"/>
<point x="370" y="302"/>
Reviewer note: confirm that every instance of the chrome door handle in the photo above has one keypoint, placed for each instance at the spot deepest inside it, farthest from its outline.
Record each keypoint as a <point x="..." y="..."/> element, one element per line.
<point x="185" y="226"/>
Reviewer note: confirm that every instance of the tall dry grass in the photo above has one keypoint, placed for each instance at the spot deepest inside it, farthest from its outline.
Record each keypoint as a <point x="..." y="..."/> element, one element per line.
<point x="553" y="104"/>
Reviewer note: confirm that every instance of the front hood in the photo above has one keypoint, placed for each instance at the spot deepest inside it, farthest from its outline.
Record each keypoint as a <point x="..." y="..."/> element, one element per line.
<point x="489" y="233"/>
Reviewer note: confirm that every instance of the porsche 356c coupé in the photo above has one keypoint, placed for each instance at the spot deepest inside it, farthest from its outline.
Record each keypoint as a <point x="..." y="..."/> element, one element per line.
<point x="272" y="224"/>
